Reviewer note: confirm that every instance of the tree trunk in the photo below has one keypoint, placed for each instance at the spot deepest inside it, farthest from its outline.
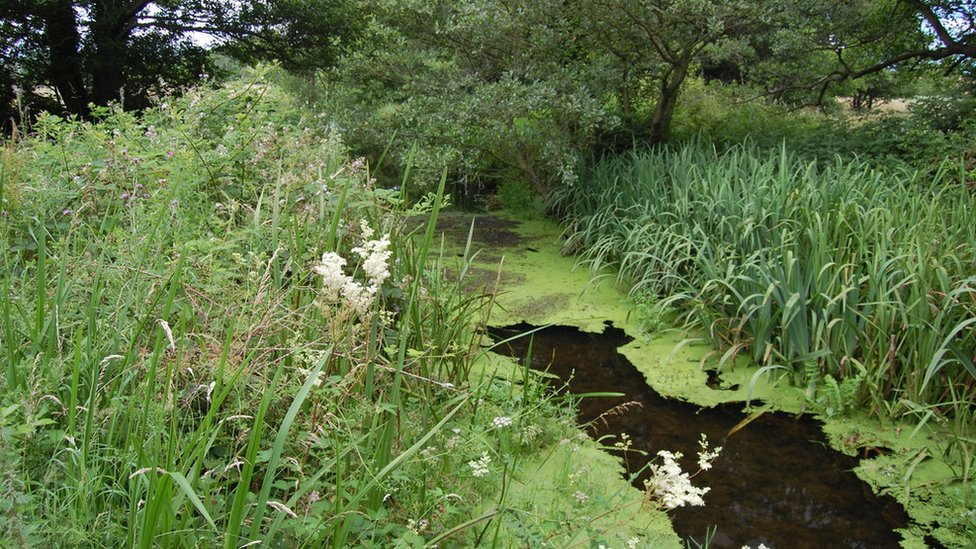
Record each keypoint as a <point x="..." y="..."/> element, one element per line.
<point x="664" y="111"/>
<point x="64" y="55"/>
<point x="625" y="102"/>
<point x="107" y="65"/>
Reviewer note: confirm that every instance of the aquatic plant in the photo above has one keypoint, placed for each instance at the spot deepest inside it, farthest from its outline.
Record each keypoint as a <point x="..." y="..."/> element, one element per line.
<point x="815" y="269"/>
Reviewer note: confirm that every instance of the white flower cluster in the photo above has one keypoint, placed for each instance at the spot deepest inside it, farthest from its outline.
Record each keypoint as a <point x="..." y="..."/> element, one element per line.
<point x="761" y="546"/>
<point x="479" y="467"/>
<point x="672" y="487"/>
<point x="338" y="287"/>
<point x="705" y="458"/>
<point x="501" y="421"/>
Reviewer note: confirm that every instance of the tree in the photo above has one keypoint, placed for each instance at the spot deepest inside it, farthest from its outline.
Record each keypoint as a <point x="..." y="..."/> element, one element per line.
<point x="494" y="90"/>
<point x="66" y="54"/>
<point x="866" y="40"/>
<point x="663" y="41"/>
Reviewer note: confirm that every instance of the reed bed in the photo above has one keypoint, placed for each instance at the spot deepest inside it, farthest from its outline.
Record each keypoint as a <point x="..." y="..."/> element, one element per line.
<point x="857" y="283"/>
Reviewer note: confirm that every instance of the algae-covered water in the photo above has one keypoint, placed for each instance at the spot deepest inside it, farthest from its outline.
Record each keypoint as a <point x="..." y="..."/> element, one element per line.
<point x="776" y="482"/>
<point x="784" y="479"/>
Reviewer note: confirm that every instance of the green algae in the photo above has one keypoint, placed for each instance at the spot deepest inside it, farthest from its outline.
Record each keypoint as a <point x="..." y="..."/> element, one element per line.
<point x="544" y="287"/>
<point x="576" y="482"/>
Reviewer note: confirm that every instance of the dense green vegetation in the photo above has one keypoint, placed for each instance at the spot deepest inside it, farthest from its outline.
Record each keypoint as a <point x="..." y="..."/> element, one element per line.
<point x="226" y="319"/>
<point x="183" y="367"/>
<point x="851" y="279"/>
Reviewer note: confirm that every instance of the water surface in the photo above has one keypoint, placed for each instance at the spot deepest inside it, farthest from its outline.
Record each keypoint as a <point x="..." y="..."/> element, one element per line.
<point x="776" y="482"/>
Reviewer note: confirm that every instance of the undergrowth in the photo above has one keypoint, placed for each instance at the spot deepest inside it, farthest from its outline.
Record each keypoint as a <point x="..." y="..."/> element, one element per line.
<point x="217" y="331"/>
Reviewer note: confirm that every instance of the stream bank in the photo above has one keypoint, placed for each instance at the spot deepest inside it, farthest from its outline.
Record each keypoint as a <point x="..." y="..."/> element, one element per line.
<point x="539" y="286"/>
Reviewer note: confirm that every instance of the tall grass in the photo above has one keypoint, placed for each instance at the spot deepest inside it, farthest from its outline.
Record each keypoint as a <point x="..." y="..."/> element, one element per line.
<point x="174" y="372"/>
<point x="859" y="282"/>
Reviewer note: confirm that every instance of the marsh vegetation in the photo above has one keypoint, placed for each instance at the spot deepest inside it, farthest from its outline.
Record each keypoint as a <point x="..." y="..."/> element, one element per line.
<point x="234" y="312"/>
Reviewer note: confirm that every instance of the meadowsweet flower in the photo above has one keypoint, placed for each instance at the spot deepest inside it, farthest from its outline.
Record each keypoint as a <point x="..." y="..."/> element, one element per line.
<point x="357" y="296"/>
<point x="330" y="269"/>
<point x="376" y="255"/>
<point x="479" y="467"/>
<point x="672" y="487"/>
<point x="624" y="443"/>
<point x="580" y="497"/>
<point x="705" y="458"/>
<point x="501" y="421"/>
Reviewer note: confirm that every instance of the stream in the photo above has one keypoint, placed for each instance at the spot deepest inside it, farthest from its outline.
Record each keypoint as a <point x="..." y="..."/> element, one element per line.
<point x="776" y="482"/>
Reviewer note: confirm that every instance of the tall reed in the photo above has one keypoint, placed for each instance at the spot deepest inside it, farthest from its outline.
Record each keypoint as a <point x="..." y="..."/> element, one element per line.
<point x="837" y="271"/>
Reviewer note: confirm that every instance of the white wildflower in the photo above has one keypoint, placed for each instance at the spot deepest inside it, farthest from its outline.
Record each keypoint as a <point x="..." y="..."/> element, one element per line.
<point x="376" y="255"/>
<point x="671" y="486"/>
<point x="705" y="458"/>
<point x="479" y="467"/>
<point x="336" y="284"/>
<point x="632" y="542"/>
<point x="501" y="421"/>
<point x="330" y="269"/>
<point x="580" y="497"/>
<point x="365" y="229"/>
<point x="356" y="296"/>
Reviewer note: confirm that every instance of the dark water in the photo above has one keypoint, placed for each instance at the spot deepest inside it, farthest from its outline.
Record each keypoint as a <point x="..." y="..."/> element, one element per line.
<point x="776" y="481"/>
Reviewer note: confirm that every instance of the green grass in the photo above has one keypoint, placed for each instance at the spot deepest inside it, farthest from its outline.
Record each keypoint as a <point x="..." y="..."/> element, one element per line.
<point x="857" y="282"/>
<point x="174" y="373"/>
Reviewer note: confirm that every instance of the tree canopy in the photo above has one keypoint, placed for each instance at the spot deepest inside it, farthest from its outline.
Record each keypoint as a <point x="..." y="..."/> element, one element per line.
<point x="63" y="55"/>
<point x="528" y="80"/>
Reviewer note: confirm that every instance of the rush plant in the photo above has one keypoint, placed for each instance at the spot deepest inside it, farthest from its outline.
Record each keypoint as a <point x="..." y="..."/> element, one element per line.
<point x="836" y="272"/>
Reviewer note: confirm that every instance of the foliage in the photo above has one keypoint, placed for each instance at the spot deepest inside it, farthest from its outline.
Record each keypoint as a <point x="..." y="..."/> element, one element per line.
<point x="653" y="47"/>
<point x="830" y="269"/>
<point x="493" y="90"/>
<point x="63" y="55"/>
<point x="728" y="115"/>
<point x="176" y="372"/>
